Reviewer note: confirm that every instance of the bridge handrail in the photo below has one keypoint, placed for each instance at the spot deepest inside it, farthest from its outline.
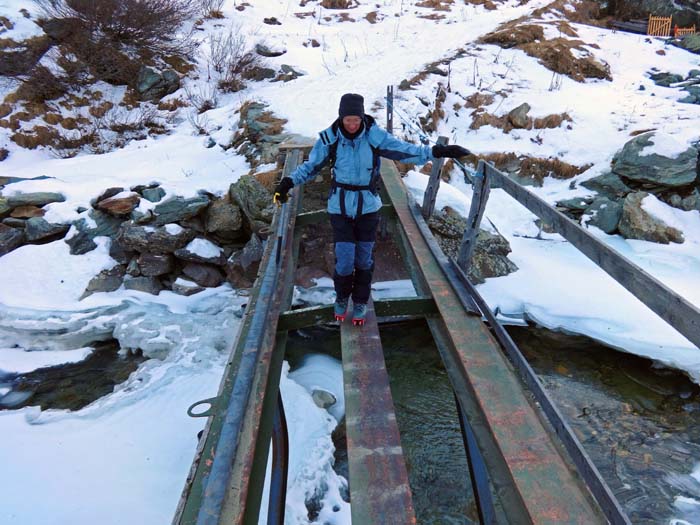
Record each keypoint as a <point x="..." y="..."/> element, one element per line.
<point x="664" y="302"/>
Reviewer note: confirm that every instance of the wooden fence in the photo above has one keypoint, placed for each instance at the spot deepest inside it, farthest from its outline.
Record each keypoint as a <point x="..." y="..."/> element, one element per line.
<point x="682" y="31"/>
<point x="659" y="26"/>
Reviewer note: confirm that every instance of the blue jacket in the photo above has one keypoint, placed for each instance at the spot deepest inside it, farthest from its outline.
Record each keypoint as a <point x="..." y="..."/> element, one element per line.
<point x="355" y="163"/>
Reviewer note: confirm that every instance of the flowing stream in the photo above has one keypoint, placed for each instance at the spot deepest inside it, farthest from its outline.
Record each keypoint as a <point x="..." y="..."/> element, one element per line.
<point x="640" y="423"/>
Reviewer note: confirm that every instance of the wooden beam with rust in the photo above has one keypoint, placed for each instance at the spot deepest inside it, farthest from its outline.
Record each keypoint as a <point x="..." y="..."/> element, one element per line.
<point x="379" y="488"/>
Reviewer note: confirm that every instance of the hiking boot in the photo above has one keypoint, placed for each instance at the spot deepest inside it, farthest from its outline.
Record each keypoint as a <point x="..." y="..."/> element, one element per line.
<point x="359" y="313"/>
<point x="340" y="309"/>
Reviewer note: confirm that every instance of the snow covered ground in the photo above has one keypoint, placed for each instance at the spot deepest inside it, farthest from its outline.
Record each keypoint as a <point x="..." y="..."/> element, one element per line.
<point x="124" y="458"/>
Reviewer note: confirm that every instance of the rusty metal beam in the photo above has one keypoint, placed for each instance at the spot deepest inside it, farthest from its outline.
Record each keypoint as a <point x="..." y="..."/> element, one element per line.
<point x="534" y="482"/>
<point x="379" y="489"/>
<point x="225" y="483"/>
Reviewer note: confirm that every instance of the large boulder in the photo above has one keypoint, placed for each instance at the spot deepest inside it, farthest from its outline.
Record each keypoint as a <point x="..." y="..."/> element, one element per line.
<point x="165" y="239"/>
<point x="203" y="274"/>
<point x="224" y="219"/>
<point x="152" y="85"/>
<point x="637" y="223"/>
<point x="10" y="238"/>
<point x="82" y="239"/>
<point x="254" y="200"/>
<point x="518" y="116"/>
<point x="643" y="162"/>
<point x="201" y="251"/>
<point x="34" y="199"/>
<point x="242" y="266"/>
<point x="609" y="185"/>
<point x="178" y="209"/>
<point x="689" y="42"/>
<point x="105" y="281"/>
<point x="490" y="255"/>
<point x="605" y="214"/>
<point x="149" y="285"/>
<point x="40" y="231"/>
<point x="155" y="264"/>
<point x="121" y="204"/>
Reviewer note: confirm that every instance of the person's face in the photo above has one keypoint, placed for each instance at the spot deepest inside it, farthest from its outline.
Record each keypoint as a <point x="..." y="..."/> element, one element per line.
<point x="351" y="123"/>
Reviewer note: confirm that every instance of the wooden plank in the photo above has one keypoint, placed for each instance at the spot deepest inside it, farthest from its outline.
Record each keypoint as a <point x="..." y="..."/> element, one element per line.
<point x="480" y="197"/>
<point x="534" y="481"/>
<point x="379" y="489"/>
<point x="433" y="186"/>
<point x="394" y="307"/>
<point x="667" y="304"/>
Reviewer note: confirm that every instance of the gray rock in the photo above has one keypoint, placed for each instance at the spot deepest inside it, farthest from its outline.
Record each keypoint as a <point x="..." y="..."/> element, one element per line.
<point x="133" y="268"/>
<point x="186" y="287"/>
<point x="490" y="256"/>
<point x="188" y="253"/>
<point x="154" y="264"/>
<point x="153" y="86"/>
<point x="178" y="209"/>
<point x="518" y="116"/>
<point x="154" y="240"/>
<point x="288" y="73"/>
<point x="105" y="281"/>
<point x="4" y="206"/>
<point x="689" y="42"/>
<point x="654" y="171"/>
<point x="149" y="285"/>
<point x="694" y="73"/>
<point x="323" y="398"/>
<point x="34" y="199"/>
<point x="265" y="51"/>
<point x="82" y="241"/>
<point x="691" y="202"/>
<point x="575" y="205"/>
<point x="636" y="223"/>
<point x="253" y="199"/>
<point x="38" y="229"/>
<point x="665" y="79"/>
<point x="203" y="274"/>
<point x="609" y="185"/>
<point x="109" y="192"/>
<point x="119" y="253"/>
<point x="242" y="266"/>
<point x="153" y="194"/>
<point x="258" y="73"/>
<point x="606" y="214"/>
<point x="10" y="239"/>
<point x="12" y="222"/>
<point x="224" y="219"/>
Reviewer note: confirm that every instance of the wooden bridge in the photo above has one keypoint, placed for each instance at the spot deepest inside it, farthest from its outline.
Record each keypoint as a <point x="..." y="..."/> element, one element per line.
<point x="525" y="464"/>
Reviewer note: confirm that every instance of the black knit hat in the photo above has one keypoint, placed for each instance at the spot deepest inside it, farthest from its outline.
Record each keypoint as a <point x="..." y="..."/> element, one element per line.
<point x="351" y="104"/>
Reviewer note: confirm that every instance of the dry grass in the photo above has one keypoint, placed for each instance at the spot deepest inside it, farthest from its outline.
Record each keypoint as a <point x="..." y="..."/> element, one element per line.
<point x="477" y="100"/>
<point x="488" y="4"/>
<point x="556" y="56"/>
<point x="437" y="5"/>
<point x="551" y="121"/>
<point x="5" y="109"/>
<point x="537" y="169"/>
<point x="172" y="105"/>
<point x="534" y="168"/>
<point x="513" y="35"/>
<point x="269" y="179"/>
<point x="336" y="4"/>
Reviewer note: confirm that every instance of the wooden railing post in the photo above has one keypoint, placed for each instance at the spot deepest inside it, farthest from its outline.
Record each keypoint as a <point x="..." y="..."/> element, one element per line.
<point x="390" y="109"/>
<point x="480" y="196"/>
<point x="433" y="185"/>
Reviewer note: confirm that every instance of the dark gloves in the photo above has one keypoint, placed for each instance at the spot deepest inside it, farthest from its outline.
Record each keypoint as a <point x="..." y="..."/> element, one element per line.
<point x="282" y="189"/>
<point x="452" y="151"/>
